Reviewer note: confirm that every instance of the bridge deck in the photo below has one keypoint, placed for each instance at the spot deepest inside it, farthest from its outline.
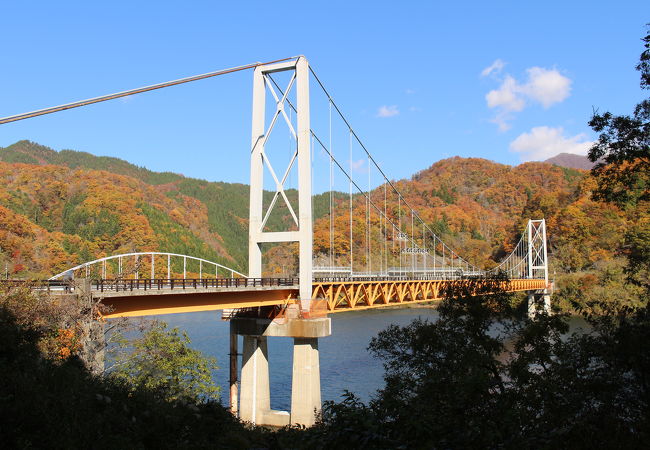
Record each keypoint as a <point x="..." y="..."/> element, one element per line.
<point x="148" y="297"/>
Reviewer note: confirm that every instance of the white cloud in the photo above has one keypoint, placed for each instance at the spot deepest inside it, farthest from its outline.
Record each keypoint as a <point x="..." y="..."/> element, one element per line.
<point x="358" y="166"/>
<point x="496" y="67"/>
<point x="544" y="86"/>
<point x="545" y="142"/>
<point x="502" y="120"/>
<point x="507" y="97"/>
<point x="387" y="111"/>
<point x="410" y="91"/>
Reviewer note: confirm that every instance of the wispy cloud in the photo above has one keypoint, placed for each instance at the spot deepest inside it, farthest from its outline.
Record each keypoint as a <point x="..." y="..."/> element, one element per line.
<point x="410" y="91"/>
<point x="502" y="120"/>
<point x="544" y="142"/>
<point x="387" y="111"/>
<point x="495" y="68"/>
<point x="544" y="86"/>
<point x="358" y="165"/>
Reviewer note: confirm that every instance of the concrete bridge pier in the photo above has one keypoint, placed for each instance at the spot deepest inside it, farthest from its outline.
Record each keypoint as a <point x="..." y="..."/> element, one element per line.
<point x="255" y="393"/>
<point x="254" y="405"/>
<point x="539" y="300"/>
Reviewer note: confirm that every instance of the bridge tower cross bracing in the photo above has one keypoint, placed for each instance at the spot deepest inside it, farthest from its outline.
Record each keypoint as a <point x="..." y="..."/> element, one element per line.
<point x="305" y="391"/>
<point x="259" y="158"/>
<point x="538" y="262"/>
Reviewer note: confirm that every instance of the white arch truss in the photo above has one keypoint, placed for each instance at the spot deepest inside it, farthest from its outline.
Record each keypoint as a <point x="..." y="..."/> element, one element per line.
<point x="136" y="256"/>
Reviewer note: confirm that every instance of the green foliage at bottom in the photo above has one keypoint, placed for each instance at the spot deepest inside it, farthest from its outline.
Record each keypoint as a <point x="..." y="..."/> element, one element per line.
<point x="54" y="404"/>
<point x="162" y="362"/>
<point x="482" y="376"/>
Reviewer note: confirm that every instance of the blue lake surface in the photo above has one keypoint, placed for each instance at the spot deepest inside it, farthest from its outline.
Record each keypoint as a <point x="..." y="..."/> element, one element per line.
<point x="345" y="361"/>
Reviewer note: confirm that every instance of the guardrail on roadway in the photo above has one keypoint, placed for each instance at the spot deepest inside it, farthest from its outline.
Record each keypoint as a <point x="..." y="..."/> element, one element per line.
<point x="188" y="283"/>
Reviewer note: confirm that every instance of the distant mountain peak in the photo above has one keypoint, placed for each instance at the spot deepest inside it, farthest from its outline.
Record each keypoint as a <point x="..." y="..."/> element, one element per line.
<point x="571" y="160"/>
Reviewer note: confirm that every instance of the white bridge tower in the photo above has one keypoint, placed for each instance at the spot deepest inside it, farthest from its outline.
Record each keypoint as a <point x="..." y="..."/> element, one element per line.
<point x="260" y="135"/>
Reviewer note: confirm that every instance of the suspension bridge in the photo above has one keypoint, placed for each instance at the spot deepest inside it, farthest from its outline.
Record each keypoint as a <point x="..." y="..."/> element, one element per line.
<point x="371" y="249"/>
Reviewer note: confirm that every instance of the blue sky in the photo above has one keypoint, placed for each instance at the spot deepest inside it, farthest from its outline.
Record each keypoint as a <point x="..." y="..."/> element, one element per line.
<point x="419" y="81"/>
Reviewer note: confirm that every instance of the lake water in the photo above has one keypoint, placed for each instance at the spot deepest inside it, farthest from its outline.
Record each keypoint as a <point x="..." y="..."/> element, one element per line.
<point x="345" y="361"/>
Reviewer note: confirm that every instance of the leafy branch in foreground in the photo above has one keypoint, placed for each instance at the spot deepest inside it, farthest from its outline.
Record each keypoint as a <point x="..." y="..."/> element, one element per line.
<point x="161" y="361"/>
<point x="485" y="376"/>
<point x="622" y="152"/>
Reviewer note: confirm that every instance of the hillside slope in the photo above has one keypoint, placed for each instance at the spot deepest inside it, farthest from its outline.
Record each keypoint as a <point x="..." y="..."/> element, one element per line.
<point x="63" y="208"/>
<point x="224" y="204"/>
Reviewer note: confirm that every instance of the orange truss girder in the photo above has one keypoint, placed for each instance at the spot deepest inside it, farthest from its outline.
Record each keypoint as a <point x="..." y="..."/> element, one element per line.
<point x="357" y="295"/>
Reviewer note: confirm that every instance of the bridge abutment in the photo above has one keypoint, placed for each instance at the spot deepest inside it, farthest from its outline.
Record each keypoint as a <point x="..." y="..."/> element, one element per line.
<point x="254" y="405"/>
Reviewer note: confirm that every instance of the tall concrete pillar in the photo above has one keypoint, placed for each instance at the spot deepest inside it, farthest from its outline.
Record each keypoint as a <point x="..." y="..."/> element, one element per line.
<point x="234" y="390"/>
<point x="532" y="307"/>
<point x="255" y="390"/>
<point x="547" y="301"/>
<point x="542" y="297"/>
<point x="254" y="405"/>
<point x="305" y="390"/>
<point x="255" y="394"/>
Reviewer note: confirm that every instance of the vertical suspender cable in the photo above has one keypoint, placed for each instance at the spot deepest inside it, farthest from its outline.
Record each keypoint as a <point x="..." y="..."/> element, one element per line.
<point x="413" y="257"/>
<point x="368" y="257"/>
<point x="426" y="251"/>
<point x="443" y="257"/>
<point x="393" y="242"/>
<point x="399" y="231"/>
<point x="385" y="234"/>
<point x="434" y="256"/>
<point x="350" y="178"/>
<point x="331" y="188"/>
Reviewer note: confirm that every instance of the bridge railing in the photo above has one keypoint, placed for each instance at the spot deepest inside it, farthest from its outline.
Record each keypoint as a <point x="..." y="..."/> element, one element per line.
<point x="122" y="285"/>
<point x="39" y="285"/>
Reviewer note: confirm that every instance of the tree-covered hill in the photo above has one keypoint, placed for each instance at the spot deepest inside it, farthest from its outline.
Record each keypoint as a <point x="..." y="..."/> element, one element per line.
<point x="62" y="208"/>
<point x="68" y="207"/>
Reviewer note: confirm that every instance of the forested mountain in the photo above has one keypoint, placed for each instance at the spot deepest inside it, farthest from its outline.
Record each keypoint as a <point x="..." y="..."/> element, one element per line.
<point x="571" y="161"/>
<point x="63" y="208"/>
<point x="68" y="207"/>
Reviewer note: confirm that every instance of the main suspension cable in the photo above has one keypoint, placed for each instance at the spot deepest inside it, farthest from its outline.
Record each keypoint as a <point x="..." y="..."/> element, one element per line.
<point x="103" y="98"/>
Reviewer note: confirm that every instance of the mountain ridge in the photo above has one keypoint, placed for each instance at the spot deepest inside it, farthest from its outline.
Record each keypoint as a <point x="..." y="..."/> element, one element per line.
<point x="477" y="206"/>
<point x="571" y="161"/>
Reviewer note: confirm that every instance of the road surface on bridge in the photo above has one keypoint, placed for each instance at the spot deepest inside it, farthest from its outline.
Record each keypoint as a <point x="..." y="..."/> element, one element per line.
<point x="133" y="298"/>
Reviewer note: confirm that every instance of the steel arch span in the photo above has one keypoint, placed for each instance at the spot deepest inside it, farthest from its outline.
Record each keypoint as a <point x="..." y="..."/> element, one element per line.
<point x="151" y="255"/>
